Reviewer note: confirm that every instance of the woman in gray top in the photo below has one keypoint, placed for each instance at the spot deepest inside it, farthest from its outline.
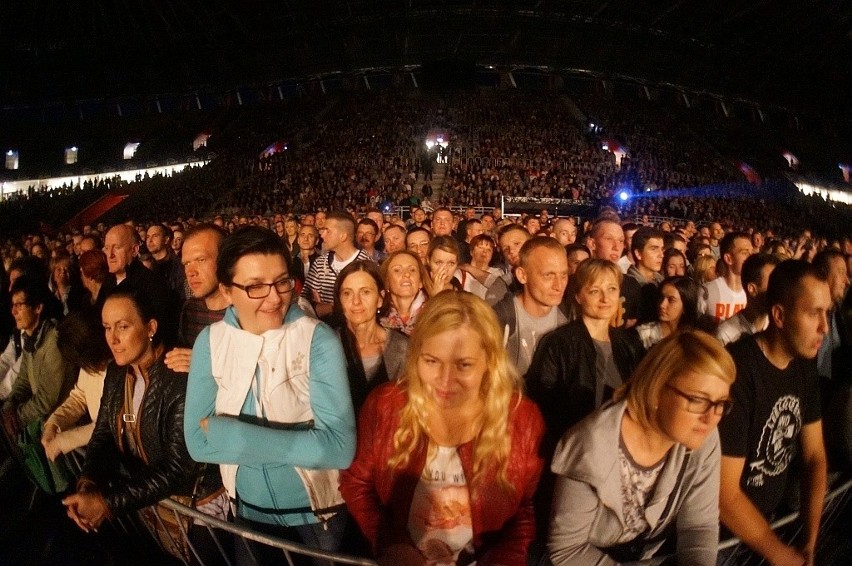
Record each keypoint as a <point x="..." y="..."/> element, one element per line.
<point x="612" y="506"/>
<point x="374" y="354"/>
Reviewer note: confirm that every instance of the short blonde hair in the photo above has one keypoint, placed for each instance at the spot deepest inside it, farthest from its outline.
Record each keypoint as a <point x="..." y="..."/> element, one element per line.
<point x="702" y="267"/>
<point x="684" y="351"/>
<point x="587" y="272"/>
<point x="500" y="389"/>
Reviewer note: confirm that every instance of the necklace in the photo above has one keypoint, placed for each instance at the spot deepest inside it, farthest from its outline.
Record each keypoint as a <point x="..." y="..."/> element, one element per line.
<point x="377" y="337"/>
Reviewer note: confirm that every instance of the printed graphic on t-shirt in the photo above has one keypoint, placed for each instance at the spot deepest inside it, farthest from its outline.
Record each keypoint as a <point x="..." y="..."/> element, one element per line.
<point x="724" y="311"/>
<point x="440" y="522"/>
<point x="777" y="441"/>
<point x="719" y="301"/>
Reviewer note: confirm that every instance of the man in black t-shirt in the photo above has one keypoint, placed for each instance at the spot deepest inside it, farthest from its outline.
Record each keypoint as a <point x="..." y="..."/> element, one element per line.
<point x="776" y="413"/>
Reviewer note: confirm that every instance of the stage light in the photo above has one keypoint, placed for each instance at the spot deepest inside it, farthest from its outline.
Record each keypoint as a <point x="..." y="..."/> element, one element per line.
<point x="429" y="144"/>
<point x="623" y="196"/>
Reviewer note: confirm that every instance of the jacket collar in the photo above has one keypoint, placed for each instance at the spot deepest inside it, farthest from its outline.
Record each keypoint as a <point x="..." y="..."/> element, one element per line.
<point x="41" y="332"/>
<point x="588" y="454"/>
<point x="634" y="272"/>
<point x="294" y="313"/>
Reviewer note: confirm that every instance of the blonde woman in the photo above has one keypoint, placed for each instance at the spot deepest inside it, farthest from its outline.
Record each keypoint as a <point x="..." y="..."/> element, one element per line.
<point x="577" y="366"/>
<point x="704" y="269"/>
<point x="646" y="467"/>
<point x="447" y="459"/>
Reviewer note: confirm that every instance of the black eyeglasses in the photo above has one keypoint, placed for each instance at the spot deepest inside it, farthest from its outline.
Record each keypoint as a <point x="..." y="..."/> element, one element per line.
<point x="262" y="290"/>
<point x="700" y="405"/>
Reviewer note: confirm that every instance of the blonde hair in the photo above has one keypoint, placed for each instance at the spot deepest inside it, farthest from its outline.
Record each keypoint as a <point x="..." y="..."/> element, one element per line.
<point x="702" y="267"/>
<point x="684" y="351"/>
<point x="500" y="389"/>
<point x="589" y="271"/>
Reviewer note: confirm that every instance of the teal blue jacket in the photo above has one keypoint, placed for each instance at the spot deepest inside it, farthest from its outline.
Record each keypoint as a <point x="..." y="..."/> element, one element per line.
<point x="268" y="487"/>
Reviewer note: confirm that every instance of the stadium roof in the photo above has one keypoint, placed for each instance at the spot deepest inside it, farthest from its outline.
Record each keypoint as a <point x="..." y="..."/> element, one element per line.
<point x="793" y="53"/>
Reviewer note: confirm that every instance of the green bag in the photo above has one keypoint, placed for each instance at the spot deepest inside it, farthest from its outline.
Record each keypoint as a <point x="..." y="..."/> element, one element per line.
<point x="51" y="477"/>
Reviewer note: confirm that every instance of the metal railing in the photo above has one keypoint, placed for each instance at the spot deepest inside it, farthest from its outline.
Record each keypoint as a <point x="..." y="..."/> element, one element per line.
<point x="835" y="502"/>
<point x="288" y="549"/>
<point x="787" y="527"/>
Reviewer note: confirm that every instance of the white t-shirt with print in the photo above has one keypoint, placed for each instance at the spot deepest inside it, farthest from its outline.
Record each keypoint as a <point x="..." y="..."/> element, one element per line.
<point x="719" y="301"/>
<point x="440" y="521"/>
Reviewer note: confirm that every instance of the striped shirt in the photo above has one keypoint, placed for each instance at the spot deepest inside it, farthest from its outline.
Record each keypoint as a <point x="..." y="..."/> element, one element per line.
<point x="323" y="275"/>
<point x="194" y="317"/>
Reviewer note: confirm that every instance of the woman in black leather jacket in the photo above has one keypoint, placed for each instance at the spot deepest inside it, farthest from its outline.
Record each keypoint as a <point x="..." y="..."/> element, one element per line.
<point x="137" y="455"/>
<point x="579" y="365"/>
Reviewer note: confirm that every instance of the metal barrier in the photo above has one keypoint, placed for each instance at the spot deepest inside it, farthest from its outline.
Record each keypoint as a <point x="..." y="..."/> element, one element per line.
<point x="289" y="549"/>
<point x="835" y="502"/>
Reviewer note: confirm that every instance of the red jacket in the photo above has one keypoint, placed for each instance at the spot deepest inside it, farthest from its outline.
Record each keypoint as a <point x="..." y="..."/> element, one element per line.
<point x="380" y="498"/>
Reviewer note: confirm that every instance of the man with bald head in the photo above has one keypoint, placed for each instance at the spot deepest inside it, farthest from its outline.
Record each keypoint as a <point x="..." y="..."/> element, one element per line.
<point x="565" y="231"/>
<point x="121" y="247"/>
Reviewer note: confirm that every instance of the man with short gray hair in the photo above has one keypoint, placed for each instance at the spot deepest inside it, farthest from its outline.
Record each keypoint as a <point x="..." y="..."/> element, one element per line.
<point x="527" y="316"/>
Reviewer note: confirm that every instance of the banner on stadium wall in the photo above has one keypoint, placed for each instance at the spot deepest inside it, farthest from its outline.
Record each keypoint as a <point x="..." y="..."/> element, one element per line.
<point x="750" y="174"/>
<point x="274" y="148"/>
<point x="555" y="206"/>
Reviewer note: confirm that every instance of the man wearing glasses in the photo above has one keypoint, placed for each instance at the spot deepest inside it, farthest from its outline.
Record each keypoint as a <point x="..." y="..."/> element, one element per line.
<point x="776" y="414"/>
<point x="45" y="378"/>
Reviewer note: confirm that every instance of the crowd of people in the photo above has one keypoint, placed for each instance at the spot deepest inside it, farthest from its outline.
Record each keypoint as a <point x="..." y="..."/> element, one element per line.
<point x="350" y="152"/>
<point x="270" y="342"/>
<point x="448" y="388"/>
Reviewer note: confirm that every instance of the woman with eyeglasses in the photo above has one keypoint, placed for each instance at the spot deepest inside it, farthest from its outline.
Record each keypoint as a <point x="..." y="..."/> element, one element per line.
<point x="645" y="467"/>
<point x="268" y="400"/>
